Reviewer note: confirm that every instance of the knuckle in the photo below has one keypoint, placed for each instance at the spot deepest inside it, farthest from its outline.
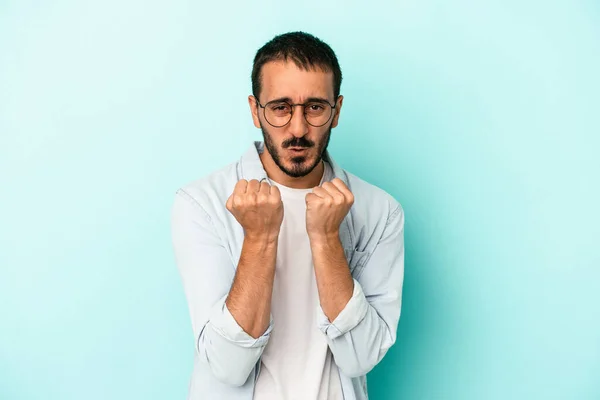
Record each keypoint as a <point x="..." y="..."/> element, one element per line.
<point x="274" y="200"/>
<point x="262" y="198"/>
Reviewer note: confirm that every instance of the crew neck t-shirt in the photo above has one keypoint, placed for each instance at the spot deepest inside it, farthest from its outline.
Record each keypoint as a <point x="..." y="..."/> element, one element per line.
<point x="296" y="364"/>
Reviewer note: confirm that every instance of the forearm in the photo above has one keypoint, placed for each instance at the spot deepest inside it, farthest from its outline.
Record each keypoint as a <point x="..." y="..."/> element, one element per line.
<point x="334" y="281"/>
<point x="242" y="326"/>
<point x="249" y="299"/>
<point x="358" y="324"/>
<point x="365" y="329"/>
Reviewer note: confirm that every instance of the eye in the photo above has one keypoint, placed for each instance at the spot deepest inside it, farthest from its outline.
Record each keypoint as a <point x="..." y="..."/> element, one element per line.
<point x="279" y="107"/>
<point x="316" y="109"/>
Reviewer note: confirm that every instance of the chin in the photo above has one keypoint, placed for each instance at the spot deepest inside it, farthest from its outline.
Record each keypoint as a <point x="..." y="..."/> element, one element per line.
<point x="304" y="161"/>
<point x="307" y="165"/>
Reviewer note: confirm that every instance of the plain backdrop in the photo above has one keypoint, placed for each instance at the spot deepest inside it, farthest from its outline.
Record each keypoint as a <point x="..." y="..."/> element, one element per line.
<point x="480" y="117"/>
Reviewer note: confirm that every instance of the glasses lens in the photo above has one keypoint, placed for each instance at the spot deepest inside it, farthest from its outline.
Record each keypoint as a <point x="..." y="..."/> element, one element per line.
<point x="278" y="113"/>
<point x="317" y="113"/>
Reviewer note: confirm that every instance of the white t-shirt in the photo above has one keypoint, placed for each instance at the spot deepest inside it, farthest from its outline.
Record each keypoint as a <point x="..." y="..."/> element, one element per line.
<point x="297" y="362"/>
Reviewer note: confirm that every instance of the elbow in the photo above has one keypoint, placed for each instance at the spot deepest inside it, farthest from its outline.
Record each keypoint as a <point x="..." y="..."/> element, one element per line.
<point x="229" y="372"/>
<point x="230" y="368"/>
<point x="356" y="366"/>
<point x="230" y="362"/>
<point x="231" y="378"/>
<point x="356" y="369"/>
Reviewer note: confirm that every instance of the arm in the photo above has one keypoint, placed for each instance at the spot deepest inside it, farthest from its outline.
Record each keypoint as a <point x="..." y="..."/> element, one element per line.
<point x="334" y="281"/>
<point x="365" y="328"/>
<point x="249" y="299"/>
<point x="207" y="274"/>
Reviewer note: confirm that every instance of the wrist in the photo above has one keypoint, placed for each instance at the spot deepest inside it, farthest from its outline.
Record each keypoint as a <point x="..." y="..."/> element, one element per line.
<point x="324" y="239"/>
<point x="261" y="238"/>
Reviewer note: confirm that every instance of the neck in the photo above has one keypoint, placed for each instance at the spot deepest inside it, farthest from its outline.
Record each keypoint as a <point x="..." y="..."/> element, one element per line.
<point x="276" y="174"/>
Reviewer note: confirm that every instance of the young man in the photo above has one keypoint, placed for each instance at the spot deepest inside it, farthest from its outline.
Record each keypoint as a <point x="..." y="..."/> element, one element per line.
<point x="292" y="267"/>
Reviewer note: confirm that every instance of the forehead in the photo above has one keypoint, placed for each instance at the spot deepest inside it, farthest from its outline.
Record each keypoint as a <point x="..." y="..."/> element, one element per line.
<point x="285" y="79"/>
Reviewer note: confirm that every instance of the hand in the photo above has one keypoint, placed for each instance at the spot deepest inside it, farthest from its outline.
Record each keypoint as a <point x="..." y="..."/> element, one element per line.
<point x="326" y="208"/>
<point x="257" y="206"/>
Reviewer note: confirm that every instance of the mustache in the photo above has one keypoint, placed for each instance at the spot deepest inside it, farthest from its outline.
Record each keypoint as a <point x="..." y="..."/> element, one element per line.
<point x="298" y="142"/>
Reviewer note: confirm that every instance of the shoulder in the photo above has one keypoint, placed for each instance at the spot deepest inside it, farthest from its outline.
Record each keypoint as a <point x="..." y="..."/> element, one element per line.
<point x="213" y="189"/>
<point x="374" y="215"/>
<point x="370" y="199"/>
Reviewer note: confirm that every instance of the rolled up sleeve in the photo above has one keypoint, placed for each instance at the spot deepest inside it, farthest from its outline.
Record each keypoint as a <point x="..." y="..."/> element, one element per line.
<point x="365" y="329"/>
<point x="354" y="312"/>
<point x="223" y="322"/>
<point x="207" y="273"/>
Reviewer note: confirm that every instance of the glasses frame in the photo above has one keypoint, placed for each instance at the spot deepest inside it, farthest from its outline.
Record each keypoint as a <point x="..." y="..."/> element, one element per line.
<point x="292" y="113"/>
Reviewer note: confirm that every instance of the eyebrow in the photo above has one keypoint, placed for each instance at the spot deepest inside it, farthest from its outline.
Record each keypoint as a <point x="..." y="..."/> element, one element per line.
<point x="308" y="100"/>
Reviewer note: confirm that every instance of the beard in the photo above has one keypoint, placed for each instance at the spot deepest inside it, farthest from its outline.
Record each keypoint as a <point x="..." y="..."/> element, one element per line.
<point x="300" y="165"/>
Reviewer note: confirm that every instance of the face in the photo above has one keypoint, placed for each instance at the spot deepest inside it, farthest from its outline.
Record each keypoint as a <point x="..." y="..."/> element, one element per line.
<point x="296" y="148"/>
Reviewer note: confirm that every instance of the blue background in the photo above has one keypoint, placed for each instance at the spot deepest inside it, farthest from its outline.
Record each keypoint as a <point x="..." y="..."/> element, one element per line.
<point x="480" y="117"/>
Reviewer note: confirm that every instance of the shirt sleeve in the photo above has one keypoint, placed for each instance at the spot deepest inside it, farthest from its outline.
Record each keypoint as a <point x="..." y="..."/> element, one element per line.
<point x="361" y="334"/>
<point x="207" y="273"/>
<point x="350" y="316"/>
<point x="226" y="325"/>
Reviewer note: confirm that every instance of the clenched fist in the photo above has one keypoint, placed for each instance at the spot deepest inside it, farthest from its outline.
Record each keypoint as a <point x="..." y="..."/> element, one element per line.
<point x="326" y="208"/>
<point x="257" y="206"/>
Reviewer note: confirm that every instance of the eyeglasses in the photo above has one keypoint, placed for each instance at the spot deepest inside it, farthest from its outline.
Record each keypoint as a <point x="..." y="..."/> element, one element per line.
<point x="278" y="113"/>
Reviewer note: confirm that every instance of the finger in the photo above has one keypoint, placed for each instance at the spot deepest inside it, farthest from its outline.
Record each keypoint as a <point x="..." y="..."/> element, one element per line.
<point x="341" y="186"/>
<point x="240" y="186"/>
<point x="274" y="191"/>
<point x="331" y="188"/>
<point x="253" y="186"/>
<point x="263" y="194"/>
<point x="229" y="203"/>
<point x="311" y="197"/>
<point x="265" y="188"/>
<point x="337" y="196"/>
<point x="322" y="193"/>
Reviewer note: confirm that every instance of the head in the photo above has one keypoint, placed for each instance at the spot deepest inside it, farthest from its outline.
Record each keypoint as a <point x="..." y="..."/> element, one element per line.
<point x="298" y="67"/>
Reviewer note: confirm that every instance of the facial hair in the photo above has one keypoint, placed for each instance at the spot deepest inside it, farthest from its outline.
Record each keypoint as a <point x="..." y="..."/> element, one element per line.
<point x="298" y="169"/>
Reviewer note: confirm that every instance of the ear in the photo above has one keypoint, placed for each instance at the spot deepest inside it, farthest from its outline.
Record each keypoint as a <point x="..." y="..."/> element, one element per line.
<point x="254" y="110"/>
<point x="338" y="109"/>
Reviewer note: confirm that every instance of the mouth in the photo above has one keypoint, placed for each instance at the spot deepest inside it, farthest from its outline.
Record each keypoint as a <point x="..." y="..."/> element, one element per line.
<point x="298" y="149"/>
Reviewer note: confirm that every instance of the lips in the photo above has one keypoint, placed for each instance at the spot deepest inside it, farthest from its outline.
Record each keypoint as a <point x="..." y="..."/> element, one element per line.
<point x="298" y="149"/>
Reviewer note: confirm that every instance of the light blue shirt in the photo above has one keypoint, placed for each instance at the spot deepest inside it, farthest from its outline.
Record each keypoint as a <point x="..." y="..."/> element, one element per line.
<point x="207" y="242"/>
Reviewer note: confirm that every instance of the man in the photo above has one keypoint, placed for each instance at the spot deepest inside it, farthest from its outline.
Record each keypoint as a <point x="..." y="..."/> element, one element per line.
<point x="292" y="267"/>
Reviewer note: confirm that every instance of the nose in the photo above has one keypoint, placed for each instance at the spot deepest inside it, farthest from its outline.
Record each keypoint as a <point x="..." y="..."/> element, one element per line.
<point x="298" y="125"/>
